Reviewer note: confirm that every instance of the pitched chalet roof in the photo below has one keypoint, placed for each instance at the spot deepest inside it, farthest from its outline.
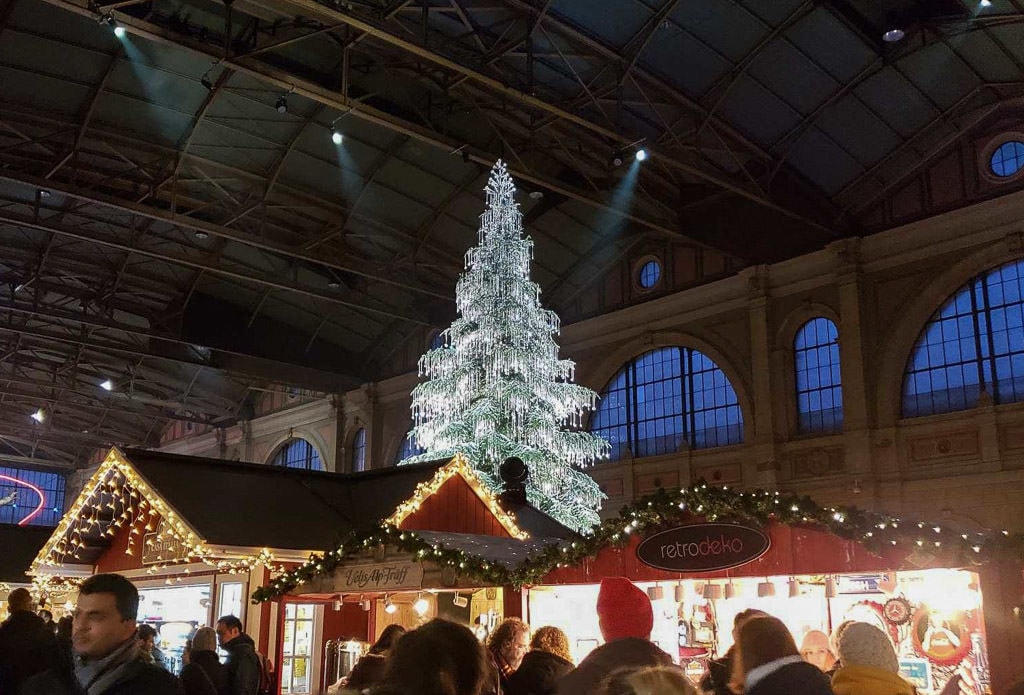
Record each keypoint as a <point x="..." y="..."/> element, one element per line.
<point x="254" y="505"/>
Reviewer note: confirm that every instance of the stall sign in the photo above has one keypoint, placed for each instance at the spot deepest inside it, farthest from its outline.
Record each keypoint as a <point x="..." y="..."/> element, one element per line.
<point x="859" y="583"/>
<point x="918" y="672"/>
<point x="703" y="547"/>
<point x="380" y="577"/>
<point x="163" y="546"/>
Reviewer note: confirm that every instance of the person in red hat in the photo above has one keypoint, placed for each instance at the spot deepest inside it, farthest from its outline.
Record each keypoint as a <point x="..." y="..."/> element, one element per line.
<point x="626" y="619"/>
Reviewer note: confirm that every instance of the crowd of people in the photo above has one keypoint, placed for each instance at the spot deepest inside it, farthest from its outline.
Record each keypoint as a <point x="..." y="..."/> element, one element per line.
<point x="444" y="658"/>
<point x="103" y="650"/>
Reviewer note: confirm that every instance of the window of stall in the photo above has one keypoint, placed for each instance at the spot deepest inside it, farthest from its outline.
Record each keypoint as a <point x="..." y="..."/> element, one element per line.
<point x="297" y="658"/>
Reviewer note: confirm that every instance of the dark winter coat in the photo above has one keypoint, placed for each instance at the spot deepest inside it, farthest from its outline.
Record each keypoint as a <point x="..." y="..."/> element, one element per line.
<point x="538" y="674"/>
<point x="586" y="678"/>
<point x="716" y="680"/>
<point x="205" y="675"/>
<point x="27" y="647"/>
<point x="243" y="666"/>
<point x="137" y="678"/>
<point x="799" y="677"/>
<point x="368" y="672"/>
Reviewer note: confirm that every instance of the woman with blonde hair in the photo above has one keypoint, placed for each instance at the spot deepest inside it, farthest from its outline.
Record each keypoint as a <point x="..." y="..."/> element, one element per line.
<point x="767" y="662"/>
<point x="653" y="680"/>
<point x="546" y="662"/>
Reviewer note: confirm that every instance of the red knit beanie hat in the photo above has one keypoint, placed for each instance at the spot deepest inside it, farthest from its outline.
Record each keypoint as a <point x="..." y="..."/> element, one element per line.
<point x="623" y="610"/>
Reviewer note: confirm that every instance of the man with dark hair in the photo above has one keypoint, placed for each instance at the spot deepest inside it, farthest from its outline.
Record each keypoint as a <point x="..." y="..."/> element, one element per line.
<point x="27" y="645"/>
<point x="244" y="668"/>
<point x="106" y="650"/>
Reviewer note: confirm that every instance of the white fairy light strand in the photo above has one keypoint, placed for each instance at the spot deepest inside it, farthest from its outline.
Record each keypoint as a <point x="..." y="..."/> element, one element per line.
<point x="497" y="388"/>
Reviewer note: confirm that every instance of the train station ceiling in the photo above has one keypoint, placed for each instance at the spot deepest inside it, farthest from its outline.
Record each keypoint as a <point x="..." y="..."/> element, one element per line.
<point x="179" y="229"/>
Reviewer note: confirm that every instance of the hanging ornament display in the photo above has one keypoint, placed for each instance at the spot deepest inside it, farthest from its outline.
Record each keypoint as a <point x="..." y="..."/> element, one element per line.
<point x="496" y="387"/>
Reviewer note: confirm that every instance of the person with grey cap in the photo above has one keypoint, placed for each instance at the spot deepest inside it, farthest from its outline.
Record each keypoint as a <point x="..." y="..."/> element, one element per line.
<point x="869" y="663"/>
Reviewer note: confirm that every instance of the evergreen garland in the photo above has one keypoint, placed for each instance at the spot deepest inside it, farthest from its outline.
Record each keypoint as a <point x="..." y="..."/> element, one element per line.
<point x="664" y="509"/>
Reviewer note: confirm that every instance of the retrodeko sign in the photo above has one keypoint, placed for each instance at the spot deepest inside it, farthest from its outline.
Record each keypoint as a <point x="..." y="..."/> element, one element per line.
<point x="703" y="547"/>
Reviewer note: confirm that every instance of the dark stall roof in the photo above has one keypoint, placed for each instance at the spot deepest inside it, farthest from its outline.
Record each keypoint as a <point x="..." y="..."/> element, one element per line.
<point x="18" y="547"/>
<point x="253" y="505"/>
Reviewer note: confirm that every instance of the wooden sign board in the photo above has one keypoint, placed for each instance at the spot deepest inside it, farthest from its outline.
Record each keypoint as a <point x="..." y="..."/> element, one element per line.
<point x="162" y="546"/>
<point x="703" y="547"/>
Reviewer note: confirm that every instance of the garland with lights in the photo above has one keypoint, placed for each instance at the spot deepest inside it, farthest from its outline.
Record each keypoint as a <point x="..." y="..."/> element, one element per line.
<point x="117" y="496"/>
<point x="663" y="509"/>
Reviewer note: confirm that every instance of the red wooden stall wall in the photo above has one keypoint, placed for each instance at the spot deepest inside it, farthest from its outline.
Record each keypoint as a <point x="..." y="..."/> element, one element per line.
<point x="114" y="558"/>
<point x="455" y="508"/>
<point x="793" y="550"/>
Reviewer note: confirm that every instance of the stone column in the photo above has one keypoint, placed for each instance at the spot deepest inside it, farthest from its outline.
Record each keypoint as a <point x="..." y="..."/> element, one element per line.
<point x="760" y="432"/>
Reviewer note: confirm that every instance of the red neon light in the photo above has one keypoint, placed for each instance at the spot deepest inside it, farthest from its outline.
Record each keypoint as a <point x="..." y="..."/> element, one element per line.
<point x="42" y="500"/>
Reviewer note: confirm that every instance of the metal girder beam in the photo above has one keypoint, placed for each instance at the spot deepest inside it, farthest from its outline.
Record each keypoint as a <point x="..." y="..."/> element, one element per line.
<point x="280" y="284"/>
<point x="220" y="231"/>
<point x="284" y="80"/>
<point x="109" y="403"/>
<point x="137" y="351"/>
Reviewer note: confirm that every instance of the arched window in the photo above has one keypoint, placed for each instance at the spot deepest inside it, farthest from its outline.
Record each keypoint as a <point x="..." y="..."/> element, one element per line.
<point x="409" y="448"/>
<point x="974" y="342"/>
<point x="298" y="453"/>
<point x="819" y="391"/>
<point x="359" y="451"/>
<point x="666" y="399"/>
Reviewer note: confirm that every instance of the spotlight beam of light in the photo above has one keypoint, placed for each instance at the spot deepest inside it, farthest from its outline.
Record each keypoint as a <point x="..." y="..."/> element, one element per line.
<point x="33" y="488"/>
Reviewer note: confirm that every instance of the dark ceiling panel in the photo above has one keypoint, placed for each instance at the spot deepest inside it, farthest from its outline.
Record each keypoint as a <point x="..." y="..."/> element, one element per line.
<point x="823" y="161"/>
<point x="758" y="112"/>
<point x="824" y="38"/>
<point x="684" y="61"/>
<point x="939" y="73"/>
<point x="792" y="77"/>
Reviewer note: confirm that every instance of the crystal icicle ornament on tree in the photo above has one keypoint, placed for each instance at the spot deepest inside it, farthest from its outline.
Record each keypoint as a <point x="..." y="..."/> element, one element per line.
<point x="497" y="388"/>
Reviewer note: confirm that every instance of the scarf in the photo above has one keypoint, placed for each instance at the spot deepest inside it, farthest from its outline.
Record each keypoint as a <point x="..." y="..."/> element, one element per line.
<point x="98" y="675"/>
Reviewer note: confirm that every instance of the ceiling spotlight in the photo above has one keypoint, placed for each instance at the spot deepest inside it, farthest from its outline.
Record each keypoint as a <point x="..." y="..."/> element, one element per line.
<point x="119" y="31"/>
<point x="893" y="30"/>
<point x="39" y="415"/>
<point x="893" y="35"/>
<point x="201" y="235"/>
<point x="460" y="601"/>
<point x="43" y="193"/>
<point x="536" y="195"/>
<point x="205" y="81"/>
<point x="389" y="607"/>
<point x="334" y="284"/>
<point x="641" y="154"/>
<point x="336" y="137"/>
<point x="617" y="159"/>
<point x="282" y="104"/>
<point x="107" y="385"/>
<point x="985" y="3"/>
<point x="422" y="605"/>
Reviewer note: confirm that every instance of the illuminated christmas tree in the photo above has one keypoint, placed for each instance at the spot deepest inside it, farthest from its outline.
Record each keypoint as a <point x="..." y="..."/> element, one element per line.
<point x="497" y="388"/>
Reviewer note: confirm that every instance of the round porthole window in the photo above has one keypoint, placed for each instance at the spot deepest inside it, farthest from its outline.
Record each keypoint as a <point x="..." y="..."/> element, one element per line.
<point x="650" y="274"/>
<point x="1007" y="159"/>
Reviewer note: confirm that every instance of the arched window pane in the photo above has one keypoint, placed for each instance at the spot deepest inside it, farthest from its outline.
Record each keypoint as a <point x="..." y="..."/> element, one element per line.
<point x="819" y="393"/>
<point x="665" y="400"/>
<point x="409" y="448"/>
<point x="359" y="451"/>
<point x="974" y="342"/>
<point x="298" y="453"/>
<point x="19" y="499"/>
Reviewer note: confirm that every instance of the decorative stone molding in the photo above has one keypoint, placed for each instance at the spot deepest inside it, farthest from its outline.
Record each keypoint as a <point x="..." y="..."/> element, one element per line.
<point x="816" y="463"/>
<point x="949" y="445"/>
